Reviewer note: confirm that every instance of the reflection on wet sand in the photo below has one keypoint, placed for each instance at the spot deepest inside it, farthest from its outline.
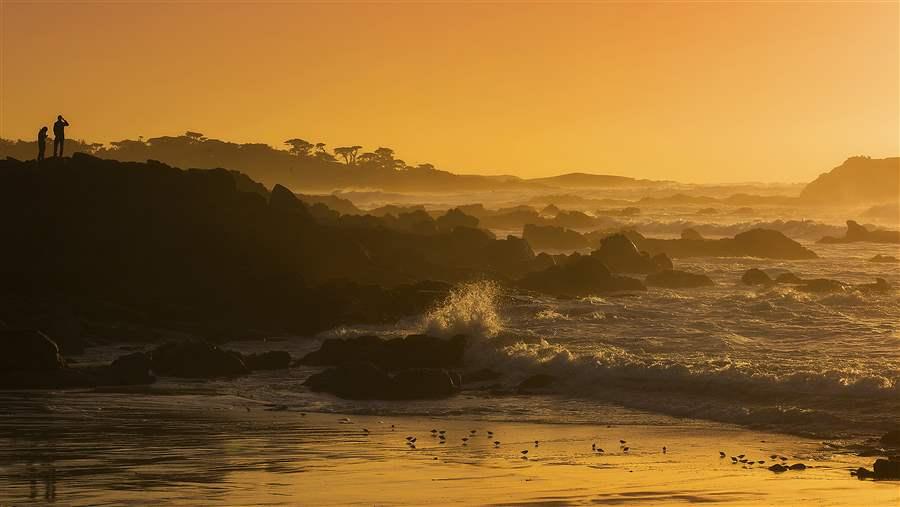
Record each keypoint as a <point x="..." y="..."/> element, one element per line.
<point x="63" y="447"/>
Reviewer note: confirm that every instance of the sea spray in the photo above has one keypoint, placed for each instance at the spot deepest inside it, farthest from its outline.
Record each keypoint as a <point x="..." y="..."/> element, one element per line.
<point x="471" y="309"/>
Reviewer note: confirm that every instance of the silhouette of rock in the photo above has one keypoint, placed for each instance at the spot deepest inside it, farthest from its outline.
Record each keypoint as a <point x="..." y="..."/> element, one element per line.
<point x="28" y="350"/>
<point x="454" y="218"/>
<point x="856" y="232"/>
<point x="620" y="255"/>
<point x="362" y="380"/>
<point x="551" y="237"/>
<point x="413" y="351"/>
<point x="753" y="243"/>
<point x="270" y="360"/>
<point x="131" y="369"/>
<point x="673" y="279"/>
<point x="884" y="258"/>
<point x="196" y="359"/>
<point x="754" y="276"/>
<point x="537" y="382"/>
<point x="886" y="469"/>
<point x="691" y="234"/>
<point x="857" y="180"/>
<point x="580" y="275"/>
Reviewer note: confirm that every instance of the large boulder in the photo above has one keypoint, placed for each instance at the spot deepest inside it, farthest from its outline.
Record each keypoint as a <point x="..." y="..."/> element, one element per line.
<point x="455" y="218"/>
<point x="196" y="359"/>
<point x="270" y="360"/>
<point x="413" y="351"/>
<point x="620" y="255"/>
<point x="580" y="276"/>
<point x="887" y="469"/>
<point x="131" y="369"/>
<point x="28" y="350"/>
<point x="364" y="381"/>
<point x="552" y="237"/>
<point x="764" y="243"/>
<point x="674" y="279"/>
<point x="755" y="276"/>
<point x="856" y="233"/>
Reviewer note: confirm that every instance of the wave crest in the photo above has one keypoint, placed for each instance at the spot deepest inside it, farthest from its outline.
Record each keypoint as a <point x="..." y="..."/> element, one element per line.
<point x="471" y="309"/>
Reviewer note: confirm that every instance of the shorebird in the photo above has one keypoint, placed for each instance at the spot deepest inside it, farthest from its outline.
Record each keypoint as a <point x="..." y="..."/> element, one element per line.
<point x="621" y="442"/>
<point x="524" y="453"/>
<point x="490" y="433"/>
<point x="536" y="443"/>
<point x="664" y="449"/>
<point x="442" y="432"/>
<point x="773" y="456"/>
<point x="471" y="432"/>
<point x="366" y="431"/>
<point x="594" y="446"/>
<point x="733" y="459"/>
<point x="721" y="454"/>
<point x="740" y="455"/>
<point x="782" y="458"/>
<point x="409" y="438"/>
<point x="625" y="449"/>
<point x="496" y="443"/>
<point x="600" y="451"/>
<point x="392" y="427"/>
<point x="434" y="433"/>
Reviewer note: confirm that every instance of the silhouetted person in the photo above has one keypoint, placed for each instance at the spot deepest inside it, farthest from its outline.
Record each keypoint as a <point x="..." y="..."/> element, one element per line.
<point x="42" y="143"/>
<point x="59" y="135"/>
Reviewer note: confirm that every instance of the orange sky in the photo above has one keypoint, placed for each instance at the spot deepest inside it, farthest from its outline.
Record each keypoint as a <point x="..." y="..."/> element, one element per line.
<point x="688" y="91"/>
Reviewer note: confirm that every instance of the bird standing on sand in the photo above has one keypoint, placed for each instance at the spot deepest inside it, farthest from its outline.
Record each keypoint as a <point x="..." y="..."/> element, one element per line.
<point x="525" y="454"/>
<point x="625" y="450"/>
<point x="496" y="443"/>
<point x="594" y="446"/>
<point x="536" y="443"/>
<point x="621" y="442"/>
<point x="664" y="449"/>
<point x="721" y="454"/>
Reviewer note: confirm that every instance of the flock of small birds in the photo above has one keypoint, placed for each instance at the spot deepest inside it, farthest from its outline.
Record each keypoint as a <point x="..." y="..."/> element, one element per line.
<point x="441" y="436"/>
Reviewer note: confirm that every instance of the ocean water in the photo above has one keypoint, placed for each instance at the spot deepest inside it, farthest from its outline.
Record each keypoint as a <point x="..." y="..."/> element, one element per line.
<point x="771" y="358"/>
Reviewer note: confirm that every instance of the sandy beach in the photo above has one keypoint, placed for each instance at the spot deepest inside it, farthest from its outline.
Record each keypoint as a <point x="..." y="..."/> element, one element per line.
<point x="63" y="448"/>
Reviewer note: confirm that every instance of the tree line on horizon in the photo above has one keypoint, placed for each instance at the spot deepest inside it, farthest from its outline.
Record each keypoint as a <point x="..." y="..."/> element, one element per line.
<point x="301" y="159"/>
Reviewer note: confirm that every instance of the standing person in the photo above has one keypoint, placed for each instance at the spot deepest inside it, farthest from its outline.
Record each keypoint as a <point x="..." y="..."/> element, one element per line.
<point x="42" y="143"/>
<point x="59" y="134"/>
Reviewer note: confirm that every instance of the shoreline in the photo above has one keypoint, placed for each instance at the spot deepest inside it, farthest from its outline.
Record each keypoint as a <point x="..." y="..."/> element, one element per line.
<point x="225" y="450"/>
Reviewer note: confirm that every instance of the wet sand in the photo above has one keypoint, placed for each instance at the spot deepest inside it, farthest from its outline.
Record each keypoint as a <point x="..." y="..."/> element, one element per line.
<point x="193" y="449"/>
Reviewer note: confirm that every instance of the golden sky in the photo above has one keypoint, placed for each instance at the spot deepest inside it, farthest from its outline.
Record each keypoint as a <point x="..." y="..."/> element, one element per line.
<point x="700" y="92"/>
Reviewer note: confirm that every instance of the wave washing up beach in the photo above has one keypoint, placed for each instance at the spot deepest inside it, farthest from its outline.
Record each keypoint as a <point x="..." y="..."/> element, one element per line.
<point x="654" y="398"/>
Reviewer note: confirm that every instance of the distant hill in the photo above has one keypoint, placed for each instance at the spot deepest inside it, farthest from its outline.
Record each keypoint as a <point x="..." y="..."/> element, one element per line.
<point x="858" y="180"/>
<point x="586" y="180"/>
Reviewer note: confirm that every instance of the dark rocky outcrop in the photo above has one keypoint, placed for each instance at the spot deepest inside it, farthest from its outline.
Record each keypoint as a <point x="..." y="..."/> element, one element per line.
<point x="891" y="438"/>
<point x="551" y="237"/>
<point x="270" y="360"/>
<point x="540" y="381"/>
<point x="856" y="232"/>
<point x="365" y="380"/>
<point x="620" y="255"/>
<point x="31" y="360"/>
<point x="579" y="275"/>
<point x="755" y="276"/>
<point x="857" y="180"/>
<point x="196" y="359"/>
<point x="674" y="279"/>
<point x="886" y="469"/>
<point x="691" y="234"/>
<point x="762" y="243"/>
<point x="413" y="351"/>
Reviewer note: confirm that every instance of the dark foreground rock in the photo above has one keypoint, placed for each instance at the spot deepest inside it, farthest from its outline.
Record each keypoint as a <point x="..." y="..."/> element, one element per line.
<point x="31" y="360"/>
<point x="552" y="237"/>
<point x="621" y="255"/>
<point x="196" y="359"/>
<point x="887" y="469"/>
<point x="674" y="279"/>
<point x="366" y="381"/>
<point x="579" y="275"/>
<point x="754" y="276"/>
<point x="856" y="233"/>
<point x="413" y="351"/>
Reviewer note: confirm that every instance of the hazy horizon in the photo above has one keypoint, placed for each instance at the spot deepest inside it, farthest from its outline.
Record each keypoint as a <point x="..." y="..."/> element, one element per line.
<point x="691" y="93"/>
